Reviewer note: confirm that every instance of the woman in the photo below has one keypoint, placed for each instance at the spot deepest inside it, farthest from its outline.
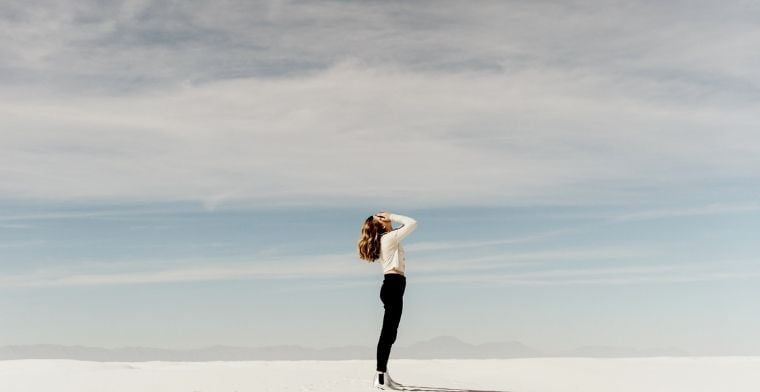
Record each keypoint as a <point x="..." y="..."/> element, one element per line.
<point x="379" y="240"/>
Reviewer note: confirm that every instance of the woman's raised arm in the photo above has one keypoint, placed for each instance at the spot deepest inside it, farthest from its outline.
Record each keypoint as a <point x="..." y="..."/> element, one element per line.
<point x="409" y="224"/>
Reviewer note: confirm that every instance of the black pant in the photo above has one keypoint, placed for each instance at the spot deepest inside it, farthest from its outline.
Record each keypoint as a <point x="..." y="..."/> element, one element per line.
<point x="392" y="294"/>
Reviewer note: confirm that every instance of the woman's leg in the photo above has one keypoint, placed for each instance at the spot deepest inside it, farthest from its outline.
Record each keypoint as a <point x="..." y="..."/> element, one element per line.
<point x="391" y="293"/>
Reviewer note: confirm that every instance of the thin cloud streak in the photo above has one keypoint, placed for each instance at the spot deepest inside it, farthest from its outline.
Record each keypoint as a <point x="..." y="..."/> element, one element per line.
<point x="709" y="209"/>
<point x="661" y="273"/>
<point x="674" y="273"/>
<point x="526" y="258"/>
<point x="446" y="245"/>
<point x="272" y="268"/>
<point x="93" y="213"/>
<point x="21" y="244"/>
<point x="339" y="266"/>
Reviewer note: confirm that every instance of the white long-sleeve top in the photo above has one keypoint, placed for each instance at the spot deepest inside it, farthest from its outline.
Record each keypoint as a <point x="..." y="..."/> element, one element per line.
<point x="391" y="252"/>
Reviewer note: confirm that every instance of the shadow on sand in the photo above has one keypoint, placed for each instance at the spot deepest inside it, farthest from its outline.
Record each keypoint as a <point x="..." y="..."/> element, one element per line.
<point x="438" y="389"/>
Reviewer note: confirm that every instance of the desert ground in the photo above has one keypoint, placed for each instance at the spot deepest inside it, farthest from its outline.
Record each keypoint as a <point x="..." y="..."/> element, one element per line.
<point x="655" y="374"/>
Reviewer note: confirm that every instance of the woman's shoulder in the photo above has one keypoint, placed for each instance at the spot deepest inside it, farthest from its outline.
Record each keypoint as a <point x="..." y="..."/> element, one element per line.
<point x="387" y="235"/>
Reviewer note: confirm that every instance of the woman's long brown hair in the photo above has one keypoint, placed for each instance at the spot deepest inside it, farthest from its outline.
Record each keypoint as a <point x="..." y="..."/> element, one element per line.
<point x="369" y="239"/>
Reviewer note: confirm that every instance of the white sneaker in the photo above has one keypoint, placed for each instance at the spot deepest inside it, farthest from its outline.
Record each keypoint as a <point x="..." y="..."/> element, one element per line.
<point x="383" y="380"/>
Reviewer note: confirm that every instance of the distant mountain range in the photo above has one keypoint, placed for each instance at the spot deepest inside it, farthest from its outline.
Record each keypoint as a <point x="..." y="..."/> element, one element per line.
<point x="442" y="347"/>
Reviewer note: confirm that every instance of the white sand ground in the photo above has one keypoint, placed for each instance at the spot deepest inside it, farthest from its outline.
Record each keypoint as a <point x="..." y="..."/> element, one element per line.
<point x="661" y="374"/>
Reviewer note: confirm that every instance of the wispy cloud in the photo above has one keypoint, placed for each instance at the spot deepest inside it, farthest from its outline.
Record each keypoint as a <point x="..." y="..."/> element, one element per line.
<point x="81" y="214"/>
<point x="581" y="276"/>
<point x="268" y="109"/>
<point x="426" y="246"/>
<point x="496" y="260"/>
<point x="21" y="244"/>
<point x="709" y="209"/>
<point x="681" y="272"/>
<point x="163" y="271"/>
<point x="346" y="267"/>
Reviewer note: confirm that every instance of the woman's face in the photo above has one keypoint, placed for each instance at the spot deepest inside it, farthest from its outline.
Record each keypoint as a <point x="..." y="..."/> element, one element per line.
<point x="385" y="221"/>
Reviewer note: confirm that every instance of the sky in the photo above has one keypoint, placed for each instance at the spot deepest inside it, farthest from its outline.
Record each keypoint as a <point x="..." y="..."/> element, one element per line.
<point x="184" y="174"/>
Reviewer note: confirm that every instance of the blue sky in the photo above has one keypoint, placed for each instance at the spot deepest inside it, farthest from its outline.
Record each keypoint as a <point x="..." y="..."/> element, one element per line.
<point x="188" y="174"/>
<point x="551" y="277"/>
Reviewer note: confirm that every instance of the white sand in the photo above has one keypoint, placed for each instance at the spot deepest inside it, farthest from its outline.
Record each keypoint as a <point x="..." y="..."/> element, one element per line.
<point x="687" y="374"/>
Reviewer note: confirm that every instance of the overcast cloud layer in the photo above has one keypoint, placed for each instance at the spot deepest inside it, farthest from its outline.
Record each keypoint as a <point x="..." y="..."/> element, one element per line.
<point x="444" y="102"/>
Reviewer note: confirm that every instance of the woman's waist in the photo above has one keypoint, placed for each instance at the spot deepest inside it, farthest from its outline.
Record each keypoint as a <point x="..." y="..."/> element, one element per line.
<point x="394" y="275"/>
